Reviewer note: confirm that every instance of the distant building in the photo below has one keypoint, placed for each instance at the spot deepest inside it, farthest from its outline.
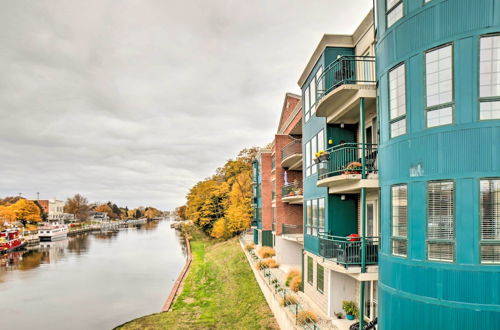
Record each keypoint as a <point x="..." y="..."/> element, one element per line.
<point x="56" y="210"/>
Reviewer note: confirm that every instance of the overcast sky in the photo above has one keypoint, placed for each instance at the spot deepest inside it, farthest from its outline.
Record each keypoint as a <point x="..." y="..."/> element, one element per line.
<point x="135" y="101"/>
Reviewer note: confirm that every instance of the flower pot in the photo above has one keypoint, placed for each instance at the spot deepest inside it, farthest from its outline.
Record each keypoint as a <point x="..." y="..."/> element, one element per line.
<point x="324" y="157"/>
<point x="350" y="317"/>
<point x="316" y="160"/>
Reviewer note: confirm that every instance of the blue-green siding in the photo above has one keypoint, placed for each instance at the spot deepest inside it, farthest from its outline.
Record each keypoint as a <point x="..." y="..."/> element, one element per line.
<point x="334" y="211"/>
<point x="415" y="293"/>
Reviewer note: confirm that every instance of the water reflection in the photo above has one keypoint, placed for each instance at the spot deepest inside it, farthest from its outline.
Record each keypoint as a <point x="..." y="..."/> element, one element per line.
<point x="90" y="273"/>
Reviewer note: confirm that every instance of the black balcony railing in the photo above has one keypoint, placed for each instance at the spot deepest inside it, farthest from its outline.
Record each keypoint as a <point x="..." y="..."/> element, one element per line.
<point x="346" y="70"/>
<point x="292" y="189"/>
<point x="347" y="250"/>
<point x="288" y="229"/>
<point x="293" y="148"/>
<point x="349" y="158"/>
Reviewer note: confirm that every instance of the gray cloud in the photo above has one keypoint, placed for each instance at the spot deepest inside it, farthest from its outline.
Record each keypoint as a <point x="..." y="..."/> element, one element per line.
<point x="135" y="101"/>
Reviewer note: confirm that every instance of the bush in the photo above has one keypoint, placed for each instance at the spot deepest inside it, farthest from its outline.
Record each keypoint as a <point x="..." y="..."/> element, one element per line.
<point x="266" y="252"/>
<point x="291" y="274"/>
<point x="249" y="246"/>
<point x="296" y="283"/>
<point x="289" y="300"/>
<point x="350" y="308"/>
<point x="271" y="263"/>
<point x="261" y="265"/>
<point x="305" y="317"/>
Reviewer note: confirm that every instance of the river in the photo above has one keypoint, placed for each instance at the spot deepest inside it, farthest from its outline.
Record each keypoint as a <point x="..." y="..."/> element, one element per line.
<point x="90" y="281"/>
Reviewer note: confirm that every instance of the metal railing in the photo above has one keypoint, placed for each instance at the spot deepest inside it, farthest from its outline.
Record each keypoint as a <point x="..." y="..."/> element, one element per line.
<point x="346" y="251"/>
<point x="348" y="158"/>
<point x="290" y="300"/>
<point x="292" y="189"/>
<point x="346" y="70"/>
<point x="289" y="229"/>
<point x="292" y="148"/>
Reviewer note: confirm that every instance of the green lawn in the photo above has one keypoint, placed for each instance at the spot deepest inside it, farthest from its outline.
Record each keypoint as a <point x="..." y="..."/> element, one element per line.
<point x="220" y="292"/>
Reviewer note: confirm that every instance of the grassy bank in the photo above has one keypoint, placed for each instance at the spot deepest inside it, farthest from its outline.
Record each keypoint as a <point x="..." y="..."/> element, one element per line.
<point x="219" y="292"/>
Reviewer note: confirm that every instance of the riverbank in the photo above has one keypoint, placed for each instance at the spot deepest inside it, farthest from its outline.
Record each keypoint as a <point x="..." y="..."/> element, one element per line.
<point x="219" y="292"/>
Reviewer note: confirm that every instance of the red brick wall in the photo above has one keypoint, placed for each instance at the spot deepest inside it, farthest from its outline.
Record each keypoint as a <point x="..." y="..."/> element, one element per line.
<point x="44" y="203"/>
<point x="266" y="187"/>
<point x="287" y="110"/>
<point x="285" y="213"/>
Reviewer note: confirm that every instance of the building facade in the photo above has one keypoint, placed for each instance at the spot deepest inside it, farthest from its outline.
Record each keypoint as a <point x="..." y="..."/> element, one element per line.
<point x="438" y="70"/>
<point x="262" y="222"/>
<point x="341" y="190"/>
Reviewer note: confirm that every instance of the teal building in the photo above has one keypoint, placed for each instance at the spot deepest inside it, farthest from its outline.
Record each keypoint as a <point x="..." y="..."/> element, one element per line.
<point x="438" y="73"/>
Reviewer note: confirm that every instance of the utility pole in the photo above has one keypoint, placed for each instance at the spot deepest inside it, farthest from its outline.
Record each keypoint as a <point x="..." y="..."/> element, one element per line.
<point x="37" y="196"/>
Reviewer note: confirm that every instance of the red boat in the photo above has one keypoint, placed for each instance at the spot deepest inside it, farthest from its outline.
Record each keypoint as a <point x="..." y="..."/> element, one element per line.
<point x="10" y="241"/>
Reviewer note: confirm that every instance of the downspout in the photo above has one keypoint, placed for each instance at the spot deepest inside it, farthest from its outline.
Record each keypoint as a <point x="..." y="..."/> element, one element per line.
<point x="363" y="213"/>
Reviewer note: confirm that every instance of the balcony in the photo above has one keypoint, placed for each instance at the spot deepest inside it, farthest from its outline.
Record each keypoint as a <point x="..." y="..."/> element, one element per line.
<point x="292" y="193"/>
<point x="291" y="156"/>
<point x="293" y="232"/>
<point x="341" y="86"/>
<point x="346" y="251"/>
<point x="349" y="167"/>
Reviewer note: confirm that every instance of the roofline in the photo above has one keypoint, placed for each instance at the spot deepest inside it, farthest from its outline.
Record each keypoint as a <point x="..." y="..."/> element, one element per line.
<point x="336" y="40"/>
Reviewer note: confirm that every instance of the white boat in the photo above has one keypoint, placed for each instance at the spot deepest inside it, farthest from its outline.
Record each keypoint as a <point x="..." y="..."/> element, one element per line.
<point x="53" y="232"/>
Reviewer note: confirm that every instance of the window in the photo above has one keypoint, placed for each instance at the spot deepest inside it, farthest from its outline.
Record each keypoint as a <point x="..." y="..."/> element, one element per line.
<point x="490" y="220"/>
<point x="315" y="216"/>
<point x="273" y="191"/>
<point x="310" y="267"/>
<point x="309" y="217"/>
<point x="316" y="144"/>
<point x="397" y="100"/>
<point x="306" y="104"/>
<point x="320" y="283"/>
<point x="394" y="11"/>
<point x="399" y="218"/>
<point x="440" y="221"/>
<point x="489" y="78"/>
<point x="273" y="162"/>
<point x="321" y="222"/>
<point x="439" y="86"/>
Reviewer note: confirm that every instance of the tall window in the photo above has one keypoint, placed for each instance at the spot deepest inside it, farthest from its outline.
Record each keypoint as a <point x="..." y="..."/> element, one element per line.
<point x="316" y="144"/>
<point x="309" y="217"/>
<point x="321" y="224"/>
<point x="489" y="78"/>
<point x="440" y="221"/>
<point x="394" y="11"/>
<point x="273" y="162"/>
<point x="397" y="100"/>
<point x="273" y="191"/>
<point x="439" y="86"/>
<point x="307" y="104"/>
<point x="310" y="270"/>
<point x="399" y="217"/>
<point x="490" y="220"/>
<point x="311" y="94"/>
<point x="315" y="216"/>
<point x="320" y="282"/>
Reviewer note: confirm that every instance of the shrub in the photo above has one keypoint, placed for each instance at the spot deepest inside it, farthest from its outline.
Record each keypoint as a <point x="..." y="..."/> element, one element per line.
<point x="291" y="274"/>
<point x="270" y="263"/>
<point x="289" y="300"/>
<point x="296" y="283"/>
<point x="266" y="252"/>
<point x="249" y="246"/>
<point x="350" y="308"/>
<point x="305" y="317"/>
<point x="261" y="265"/>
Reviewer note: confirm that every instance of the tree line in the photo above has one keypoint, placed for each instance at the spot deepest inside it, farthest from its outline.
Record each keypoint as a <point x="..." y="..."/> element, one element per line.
<point x="19" y="209"/>
<point x="221" y="204"/>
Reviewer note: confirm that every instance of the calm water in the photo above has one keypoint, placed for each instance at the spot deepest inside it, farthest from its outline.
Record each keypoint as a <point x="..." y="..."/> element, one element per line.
<point x="92" y="281"/>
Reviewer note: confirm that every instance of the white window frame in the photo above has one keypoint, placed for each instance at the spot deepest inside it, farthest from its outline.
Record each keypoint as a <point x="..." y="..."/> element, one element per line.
<point x="435" y="242"/>
<point x="489" y="99"/>
<point x="489" y="221"/>
<point x="400" y="238"/>
<point x="391" y="9"/>
<point x="398" y="119"/>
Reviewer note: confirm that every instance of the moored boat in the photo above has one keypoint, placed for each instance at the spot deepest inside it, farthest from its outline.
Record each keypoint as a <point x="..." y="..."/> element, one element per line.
<point x="10" y="241"/>
<point x="53" y="232"/>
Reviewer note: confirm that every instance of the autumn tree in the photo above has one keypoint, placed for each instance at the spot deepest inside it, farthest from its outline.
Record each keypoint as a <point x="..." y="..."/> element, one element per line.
<point x="26" y="211"/>
<point x="7" y="214"/>
<point x="105" y="208"/>
<point x="78" y="206"/>
<point x="181" y="212"/>
<point x="152" y="213"/>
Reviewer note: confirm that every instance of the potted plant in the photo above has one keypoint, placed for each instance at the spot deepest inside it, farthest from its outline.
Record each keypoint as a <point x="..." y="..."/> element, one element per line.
<point x="350" y="308"/>
<point x="353" y="168"/>
<point x="321" y="156"/>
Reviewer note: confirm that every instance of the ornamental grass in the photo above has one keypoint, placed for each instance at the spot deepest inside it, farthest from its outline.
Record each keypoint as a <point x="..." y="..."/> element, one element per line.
<point x="266" y="252"/>
<point x="306" y="317"/>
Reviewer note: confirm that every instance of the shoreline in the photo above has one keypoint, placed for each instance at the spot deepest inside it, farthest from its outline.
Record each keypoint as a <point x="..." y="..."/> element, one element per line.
<point x="180" y="279"/>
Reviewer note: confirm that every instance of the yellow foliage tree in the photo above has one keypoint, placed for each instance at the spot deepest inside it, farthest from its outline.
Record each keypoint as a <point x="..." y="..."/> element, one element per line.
<point x="106" y="209"/>
<point x="26" y="210"/>
<point x="7" y="214"/>
<point x="152" y="213"/>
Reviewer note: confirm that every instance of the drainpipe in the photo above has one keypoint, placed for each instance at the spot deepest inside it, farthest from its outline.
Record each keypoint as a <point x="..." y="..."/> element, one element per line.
<point x="363" y="213"/>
